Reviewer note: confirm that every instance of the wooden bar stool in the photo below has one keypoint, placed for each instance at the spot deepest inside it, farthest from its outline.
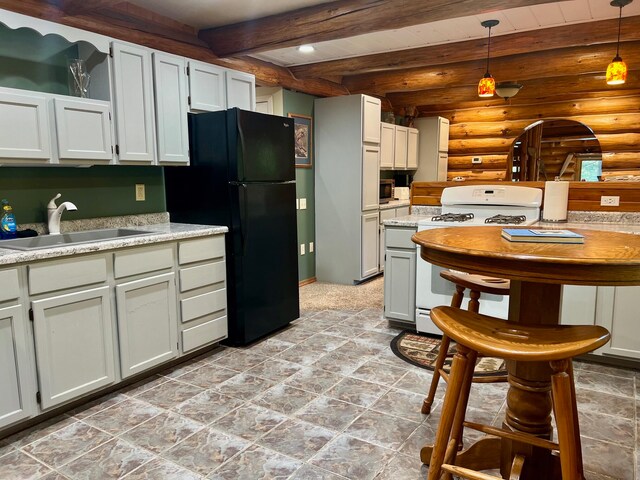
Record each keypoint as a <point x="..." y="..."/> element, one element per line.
<point x="477" y="285"/>
<point x="474" y="334"/>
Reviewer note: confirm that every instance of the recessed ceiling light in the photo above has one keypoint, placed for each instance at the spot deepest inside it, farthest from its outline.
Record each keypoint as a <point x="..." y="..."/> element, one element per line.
<point x="306" y="48"/>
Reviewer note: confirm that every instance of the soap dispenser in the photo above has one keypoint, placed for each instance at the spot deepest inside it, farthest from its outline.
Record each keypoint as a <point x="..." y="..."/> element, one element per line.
<point x="8" y="221"/>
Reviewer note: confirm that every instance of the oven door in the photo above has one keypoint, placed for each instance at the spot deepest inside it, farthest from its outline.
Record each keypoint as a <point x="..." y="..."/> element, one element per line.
<point x="432" y="290"/>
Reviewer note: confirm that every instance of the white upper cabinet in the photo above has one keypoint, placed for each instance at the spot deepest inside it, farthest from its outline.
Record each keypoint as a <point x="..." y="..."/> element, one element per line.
<point x="370" y="177"/>
<point x="133" y="91"/>
<point x="371" y="112"/>
<point x="24" y="127"/>
<point x="412" y="148"/>
<point x="387" y="145"/>
<point x="402" y="138"/>
<point x="171" y="108"/>
<point x="241" y="90"/>
<point x="83" y="129"/>
<point x="207" y="87"/>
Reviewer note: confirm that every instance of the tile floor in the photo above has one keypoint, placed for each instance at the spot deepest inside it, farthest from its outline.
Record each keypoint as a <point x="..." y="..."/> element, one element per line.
<point x="324" y="399"/>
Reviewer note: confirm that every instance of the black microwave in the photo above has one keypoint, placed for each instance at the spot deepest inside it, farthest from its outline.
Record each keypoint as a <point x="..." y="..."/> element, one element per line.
<point x="386" y="190"/>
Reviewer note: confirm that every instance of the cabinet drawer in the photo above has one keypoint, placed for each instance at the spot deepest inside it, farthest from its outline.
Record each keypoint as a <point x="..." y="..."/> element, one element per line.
<point x="202" y="275"/>
<point x="51" y="276"/>
<point x="399" y="237"/>
<point x="10" y="287"/>
<point x="142" y="260"/>
<point x="201" y="249"/>
<point x="204" y="333"/>
<point x="200" y="305"/>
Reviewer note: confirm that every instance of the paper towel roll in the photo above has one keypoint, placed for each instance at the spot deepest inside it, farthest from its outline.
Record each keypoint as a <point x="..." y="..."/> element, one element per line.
<point x="556" y="196"/>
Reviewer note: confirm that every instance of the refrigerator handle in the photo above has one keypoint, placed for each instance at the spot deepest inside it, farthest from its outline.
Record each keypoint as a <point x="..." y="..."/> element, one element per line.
<point x="243" y="218"/>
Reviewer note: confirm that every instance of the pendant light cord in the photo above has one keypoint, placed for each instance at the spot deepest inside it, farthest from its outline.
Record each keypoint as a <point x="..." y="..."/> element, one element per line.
<point x="619" y="26"/>
<point x="489" y="44"/>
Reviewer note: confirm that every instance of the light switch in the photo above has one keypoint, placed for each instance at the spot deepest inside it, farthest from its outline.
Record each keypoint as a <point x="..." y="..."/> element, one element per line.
<point x="303" y="204"/>
<point x="140" y="194"/>
<point x="310" y="247"/>
<point x="302" y="249"/>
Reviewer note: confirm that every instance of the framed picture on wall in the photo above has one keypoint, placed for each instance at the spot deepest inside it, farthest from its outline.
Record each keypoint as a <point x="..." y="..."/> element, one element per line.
<point x="303" y="142"/>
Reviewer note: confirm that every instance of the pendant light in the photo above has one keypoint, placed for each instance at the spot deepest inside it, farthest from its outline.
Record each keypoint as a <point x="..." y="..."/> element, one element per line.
<point x="487" y="85"/>
<point x="507" y="90"/>
<point x="617" y="69"/>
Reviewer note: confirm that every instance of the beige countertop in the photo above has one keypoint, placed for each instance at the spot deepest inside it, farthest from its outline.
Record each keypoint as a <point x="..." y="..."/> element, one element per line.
<point x="162" y="232"/>
<point x="616" y="224"/>
<point x="394" y="204"/>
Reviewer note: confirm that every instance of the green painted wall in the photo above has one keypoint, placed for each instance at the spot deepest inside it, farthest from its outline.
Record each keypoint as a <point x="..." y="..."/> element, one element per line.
<point x="99" y="191"/>
<point x="302" y="104"/>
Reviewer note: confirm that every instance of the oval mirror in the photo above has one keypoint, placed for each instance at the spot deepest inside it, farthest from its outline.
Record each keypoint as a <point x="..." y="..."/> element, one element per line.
<point x="555" y="148"/>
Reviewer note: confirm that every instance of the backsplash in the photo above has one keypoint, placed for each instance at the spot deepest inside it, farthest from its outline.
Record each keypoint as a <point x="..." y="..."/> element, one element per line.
<point x="98" y="191"/>
<point x="101" y="222"/>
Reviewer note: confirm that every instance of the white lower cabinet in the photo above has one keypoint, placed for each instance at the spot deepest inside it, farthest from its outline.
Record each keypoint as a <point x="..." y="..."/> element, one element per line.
<point x="17" y="392"/>
<point x="617" y="312"/>
<point x="578" y="305"/>
<point x="203" y="292"/>
<point x="93" y="312"/>
<point x="74" y="344"/>
<point x="369" y="247"/>
<point x="400" y="275"/>
<point x="147" y="323"/>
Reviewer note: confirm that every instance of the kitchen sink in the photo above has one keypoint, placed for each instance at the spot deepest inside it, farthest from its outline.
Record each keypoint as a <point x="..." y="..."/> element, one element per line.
<point x="73" y="238"/>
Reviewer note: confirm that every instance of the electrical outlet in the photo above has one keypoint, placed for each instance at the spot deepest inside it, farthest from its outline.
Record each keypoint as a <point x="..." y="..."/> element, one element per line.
<point x="310" y="247"/>
<point x="302" y="249"/>
<point x="303" y="204"/>
<point x="611" y="201"/>
<point x="476" y="159"/>
<point x="140" y="194"/>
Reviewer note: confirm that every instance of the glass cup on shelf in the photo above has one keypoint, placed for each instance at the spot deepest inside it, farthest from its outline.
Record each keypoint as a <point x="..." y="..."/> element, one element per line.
<point x="78" y="77"/>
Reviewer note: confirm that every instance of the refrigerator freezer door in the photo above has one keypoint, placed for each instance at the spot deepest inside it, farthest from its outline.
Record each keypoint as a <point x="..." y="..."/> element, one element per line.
<point x="263" y="270"/>
<point x="264" y="149"/>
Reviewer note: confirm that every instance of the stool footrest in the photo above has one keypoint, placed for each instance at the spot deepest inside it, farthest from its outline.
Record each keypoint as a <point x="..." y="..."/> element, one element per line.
<point x="467" y="473"/>
<point x="517" y="436"/>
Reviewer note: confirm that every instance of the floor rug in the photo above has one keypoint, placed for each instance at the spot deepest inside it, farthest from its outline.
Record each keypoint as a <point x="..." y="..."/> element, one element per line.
<point x="422" y="351"/>
<point x="330" y="296"/>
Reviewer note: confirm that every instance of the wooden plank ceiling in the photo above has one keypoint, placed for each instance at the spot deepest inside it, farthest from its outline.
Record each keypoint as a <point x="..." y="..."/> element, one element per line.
<point x="550" y="62"/>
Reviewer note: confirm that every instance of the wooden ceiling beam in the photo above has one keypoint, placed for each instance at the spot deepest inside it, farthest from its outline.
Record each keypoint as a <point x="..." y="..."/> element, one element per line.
<point x="341" y="19"/>
<point x="577" y="60"/>
<point x="266" y="73"/>
<point x="619" y="102"/>
<point x="78" y="7"/>
<point x="591" y="33"/>
<point x="533" y="90"/>
<point x="127" y="15"/>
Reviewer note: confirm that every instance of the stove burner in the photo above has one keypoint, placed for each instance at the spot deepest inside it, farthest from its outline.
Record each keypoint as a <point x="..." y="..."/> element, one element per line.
<point x="505" y="219"/>
<point x="453" y="217"/>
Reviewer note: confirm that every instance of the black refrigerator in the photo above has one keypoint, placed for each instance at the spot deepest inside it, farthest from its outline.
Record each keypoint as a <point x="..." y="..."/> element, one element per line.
<point x="242" y="175"/>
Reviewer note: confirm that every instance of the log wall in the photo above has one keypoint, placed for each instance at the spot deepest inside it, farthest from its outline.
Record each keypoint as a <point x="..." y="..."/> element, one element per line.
<point x="489" y="132"/>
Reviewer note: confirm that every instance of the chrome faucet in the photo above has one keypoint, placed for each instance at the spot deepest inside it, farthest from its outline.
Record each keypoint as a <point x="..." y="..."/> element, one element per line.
<point x="54" y="213"/>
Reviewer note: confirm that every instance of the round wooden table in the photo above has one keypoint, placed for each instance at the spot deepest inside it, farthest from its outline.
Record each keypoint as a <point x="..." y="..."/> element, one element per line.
<point x="537" y="272"/>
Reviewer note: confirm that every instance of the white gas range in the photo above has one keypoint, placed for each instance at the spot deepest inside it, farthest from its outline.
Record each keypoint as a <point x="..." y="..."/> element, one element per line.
<point x="471" y="205"/>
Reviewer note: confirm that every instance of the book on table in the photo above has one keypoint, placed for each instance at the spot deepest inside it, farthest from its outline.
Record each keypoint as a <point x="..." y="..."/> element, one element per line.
<point x="541" y="235"/>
